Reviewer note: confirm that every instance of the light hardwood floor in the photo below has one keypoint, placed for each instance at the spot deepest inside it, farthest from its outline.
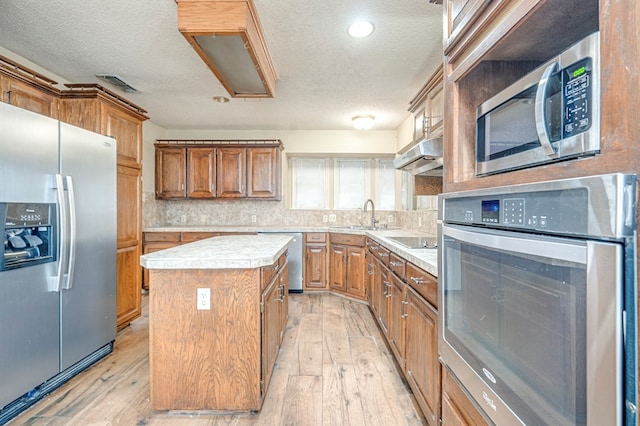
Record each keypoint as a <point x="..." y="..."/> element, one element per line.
<point x="333" y="369"/>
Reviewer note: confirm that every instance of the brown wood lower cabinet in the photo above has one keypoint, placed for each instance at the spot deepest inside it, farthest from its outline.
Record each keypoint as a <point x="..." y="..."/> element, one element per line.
<point x="128" y="291"/>
<point x="315" y="261"/>
<point x="347" y="265"/>
<point x="396" y="296"/>
<point x="409" y="322"/>
<point x="423" y="369"/>
<point x="220" y="358"/>
<point x="457" y="409"/>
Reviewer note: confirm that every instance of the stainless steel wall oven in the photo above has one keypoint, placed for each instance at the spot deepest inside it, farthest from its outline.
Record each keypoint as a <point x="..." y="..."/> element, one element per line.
<point x="538" y="299"/>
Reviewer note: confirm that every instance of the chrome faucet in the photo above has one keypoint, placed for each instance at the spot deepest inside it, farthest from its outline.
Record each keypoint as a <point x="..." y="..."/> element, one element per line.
<point x="373" y="212"/>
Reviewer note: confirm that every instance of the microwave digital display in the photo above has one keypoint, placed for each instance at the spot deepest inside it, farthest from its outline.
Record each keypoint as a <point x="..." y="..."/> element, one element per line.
<point x="577" y="95"/>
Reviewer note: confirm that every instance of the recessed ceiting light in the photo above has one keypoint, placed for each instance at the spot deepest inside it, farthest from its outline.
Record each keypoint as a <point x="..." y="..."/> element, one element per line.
<point x="363" y="121"/>
<point x="221" y="99"/>
<point x="360" y="29"/>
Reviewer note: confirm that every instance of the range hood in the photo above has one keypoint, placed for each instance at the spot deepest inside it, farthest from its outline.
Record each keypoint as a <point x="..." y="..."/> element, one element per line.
<point x="424" y="159"/>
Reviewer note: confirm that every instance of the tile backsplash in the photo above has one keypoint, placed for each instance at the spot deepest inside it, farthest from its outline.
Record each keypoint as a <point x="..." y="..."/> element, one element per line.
<point x="274" y="213"/>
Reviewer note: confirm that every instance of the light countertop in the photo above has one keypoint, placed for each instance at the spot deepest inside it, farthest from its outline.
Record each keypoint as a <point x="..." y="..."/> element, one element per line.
<point x="224" y="252"/>
<point x="234" y="250"/>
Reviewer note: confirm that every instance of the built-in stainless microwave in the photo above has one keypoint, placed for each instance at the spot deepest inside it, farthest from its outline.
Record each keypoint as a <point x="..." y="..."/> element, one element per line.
<point x="551" y="114"/>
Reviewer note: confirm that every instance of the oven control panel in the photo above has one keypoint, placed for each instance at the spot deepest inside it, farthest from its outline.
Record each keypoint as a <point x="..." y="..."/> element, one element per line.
<point x="563" y="211"/>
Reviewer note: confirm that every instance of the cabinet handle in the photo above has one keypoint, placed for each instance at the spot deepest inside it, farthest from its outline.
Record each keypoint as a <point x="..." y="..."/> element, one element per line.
<point x="386" y="290"/>
<point x="384" y="254"/>
<point x="392" y="263"/>
<point x="417" y="280"/>
<point x="403" y="312"/>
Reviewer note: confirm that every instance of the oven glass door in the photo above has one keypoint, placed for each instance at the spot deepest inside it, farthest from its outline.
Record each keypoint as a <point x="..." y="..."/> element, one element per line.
<point x="531" y="325"/>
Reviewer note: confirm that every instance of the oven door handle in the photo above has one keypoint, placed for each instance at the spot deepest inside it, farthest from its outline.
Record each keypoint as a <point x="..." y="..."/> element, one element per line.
<point x="539" y="110"/>
<point x="520" y="243"/>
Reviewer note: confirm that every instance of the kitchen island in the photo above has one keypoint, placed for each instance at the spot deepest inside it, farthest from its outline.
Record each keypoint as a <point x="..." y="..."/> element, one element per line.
<point x="217" y="314"/>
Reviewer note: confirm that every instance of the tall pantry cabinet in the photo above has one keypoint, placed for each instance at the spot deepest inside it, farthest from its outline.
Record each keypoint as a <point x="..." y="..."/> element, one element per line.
<point x="97" y="109"/>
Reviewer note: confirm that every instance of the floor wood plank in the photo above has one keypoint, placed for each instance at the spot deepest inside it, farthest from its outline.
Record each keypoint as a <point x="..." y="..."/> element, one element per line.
<point x="333" y="368"/>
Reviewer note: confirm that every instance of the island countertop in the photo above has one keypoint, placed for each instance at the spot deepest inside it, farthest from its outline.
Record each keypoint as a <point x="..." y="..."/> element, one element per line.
<point x="224" y="252"/>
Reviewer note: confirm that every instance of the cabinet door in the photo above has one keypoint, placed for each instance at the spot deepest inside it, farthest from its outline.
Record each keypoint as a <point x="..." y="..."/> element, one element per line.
<point x="315" y="267"/>
<point x="128" y="287"/>
<point x="201" y="172"/>
<point x="263" y="173"/>
<point x="80" y="112"/>
<point x="28" y="97"/>
<point x="283" y="285"/>
<point x="355" y="272"/>
<point x="231" y="173"/>
<point x="270" y="329"/>
<point x="460" y="15"/>
<point x="421" y="354"/>
<point x="457" y="409"/>
<point x="129" y="196"/>
<point x="127" y="131"/>
<point x="371" y="284"/>
<point x="396" y="316"/>
<point x="384" y="274"/>
<point x="337" y="270"/>
<point x="170" y="172"/>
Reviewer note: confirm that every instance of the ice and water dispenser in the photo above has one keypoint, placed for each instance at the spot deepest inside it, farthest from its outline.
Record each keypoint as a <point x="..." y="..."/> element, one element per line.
<point x="29" y="234"/>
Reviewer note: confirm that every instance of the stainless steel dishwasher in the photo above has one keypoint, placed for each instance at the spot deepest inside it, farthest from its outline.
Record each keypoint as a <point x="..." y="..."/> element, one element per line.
<point x="295" y="260"/>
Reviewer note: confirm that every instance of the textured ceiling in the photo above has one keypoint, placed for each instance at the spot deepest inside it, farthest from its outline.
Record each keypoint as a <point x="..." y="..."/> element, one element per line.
<point x="325" y="76"/>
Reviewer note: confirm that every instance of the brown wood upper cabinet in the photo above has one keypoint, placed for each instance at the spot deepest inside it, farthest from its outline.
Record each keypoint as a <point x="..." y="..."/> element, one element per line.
<point x="231" y="174"/>
<point x="27" y="89"/>
<point x="170" y="172"/>
<point x="215" y="169"/>
<point x="201" y="172"/>
<point x="263" y="173"/>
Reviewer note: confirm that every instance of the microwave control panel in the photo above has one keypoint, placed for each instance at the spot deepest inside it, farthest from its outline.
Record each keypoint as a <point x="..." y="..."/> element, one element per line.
<point x="578" y="87"/>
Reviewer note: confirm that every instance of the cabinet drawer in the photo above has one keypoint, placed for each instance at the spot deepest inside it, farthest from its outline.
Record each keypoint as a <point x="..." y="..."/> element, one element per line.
<point x="423" y="282"/>
<point x="157" y="246"/>
<point x="196" y="236"/>
<point x="383" y="255"/>
<point x="315" y="237"/>
<point x="162" y="236"/>
<point x="268" y="272"/>
<point x="347" y="239"/>
<point x="397" y="265"/>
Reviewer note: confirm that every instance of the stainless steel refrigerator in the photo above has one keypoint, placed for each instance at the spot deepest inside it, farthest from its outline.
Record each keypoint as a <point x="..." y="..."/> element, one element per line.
<point x="58" y="272"/>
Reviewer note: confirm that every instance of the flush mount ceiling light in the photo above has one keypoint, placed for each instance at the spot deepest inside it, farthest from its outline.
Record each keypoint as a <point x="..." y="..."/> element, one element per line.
<point x="360" y="29"/>
<point x="221" y="99"/>
<point x="228" y="37"/>
<point x="363" y="121"/>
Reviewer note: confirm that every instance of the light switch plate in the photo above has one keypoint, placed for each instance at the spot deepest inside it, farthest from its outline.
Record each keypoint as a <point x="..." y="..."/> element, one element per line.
<point x="204" y="299"/>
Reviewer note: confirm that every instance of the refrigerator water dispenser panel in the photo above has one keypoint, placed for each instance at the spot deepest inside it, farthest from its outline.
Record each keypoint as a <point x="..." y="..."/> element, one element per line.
<point x="28" y="234"/>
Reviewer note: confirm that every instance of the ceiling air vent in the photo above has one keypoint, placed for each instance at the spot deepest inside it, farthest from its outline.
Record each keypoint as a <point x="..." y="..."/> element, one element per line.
<point x="118" y="82"/>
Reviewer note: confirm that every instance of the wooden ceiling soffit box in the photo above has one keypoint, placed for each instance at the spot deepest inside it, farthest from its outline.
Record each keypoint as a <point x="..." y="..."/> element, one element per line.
<point x="228" y="37"/>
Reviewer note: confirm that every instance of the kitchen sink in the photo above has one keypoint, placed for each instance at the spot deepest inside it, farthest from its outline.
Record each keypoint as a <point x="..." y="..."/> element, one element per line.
<point x="364" y="227"/>
<point x="359" y="227"/>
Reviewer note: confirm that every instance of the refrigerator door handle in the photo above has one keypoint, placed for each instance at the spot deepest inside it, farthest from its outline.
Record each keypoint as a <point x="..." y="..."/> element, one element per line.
<point x="68" y="282"/>
<point x="56" y="281"/>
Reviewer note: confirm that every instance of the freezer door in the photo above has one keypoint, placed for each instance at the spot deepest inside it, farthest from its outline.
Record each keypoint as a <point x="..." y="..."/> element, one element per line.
<point x="88" y="308"/>
<point x="29" y="310"/>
